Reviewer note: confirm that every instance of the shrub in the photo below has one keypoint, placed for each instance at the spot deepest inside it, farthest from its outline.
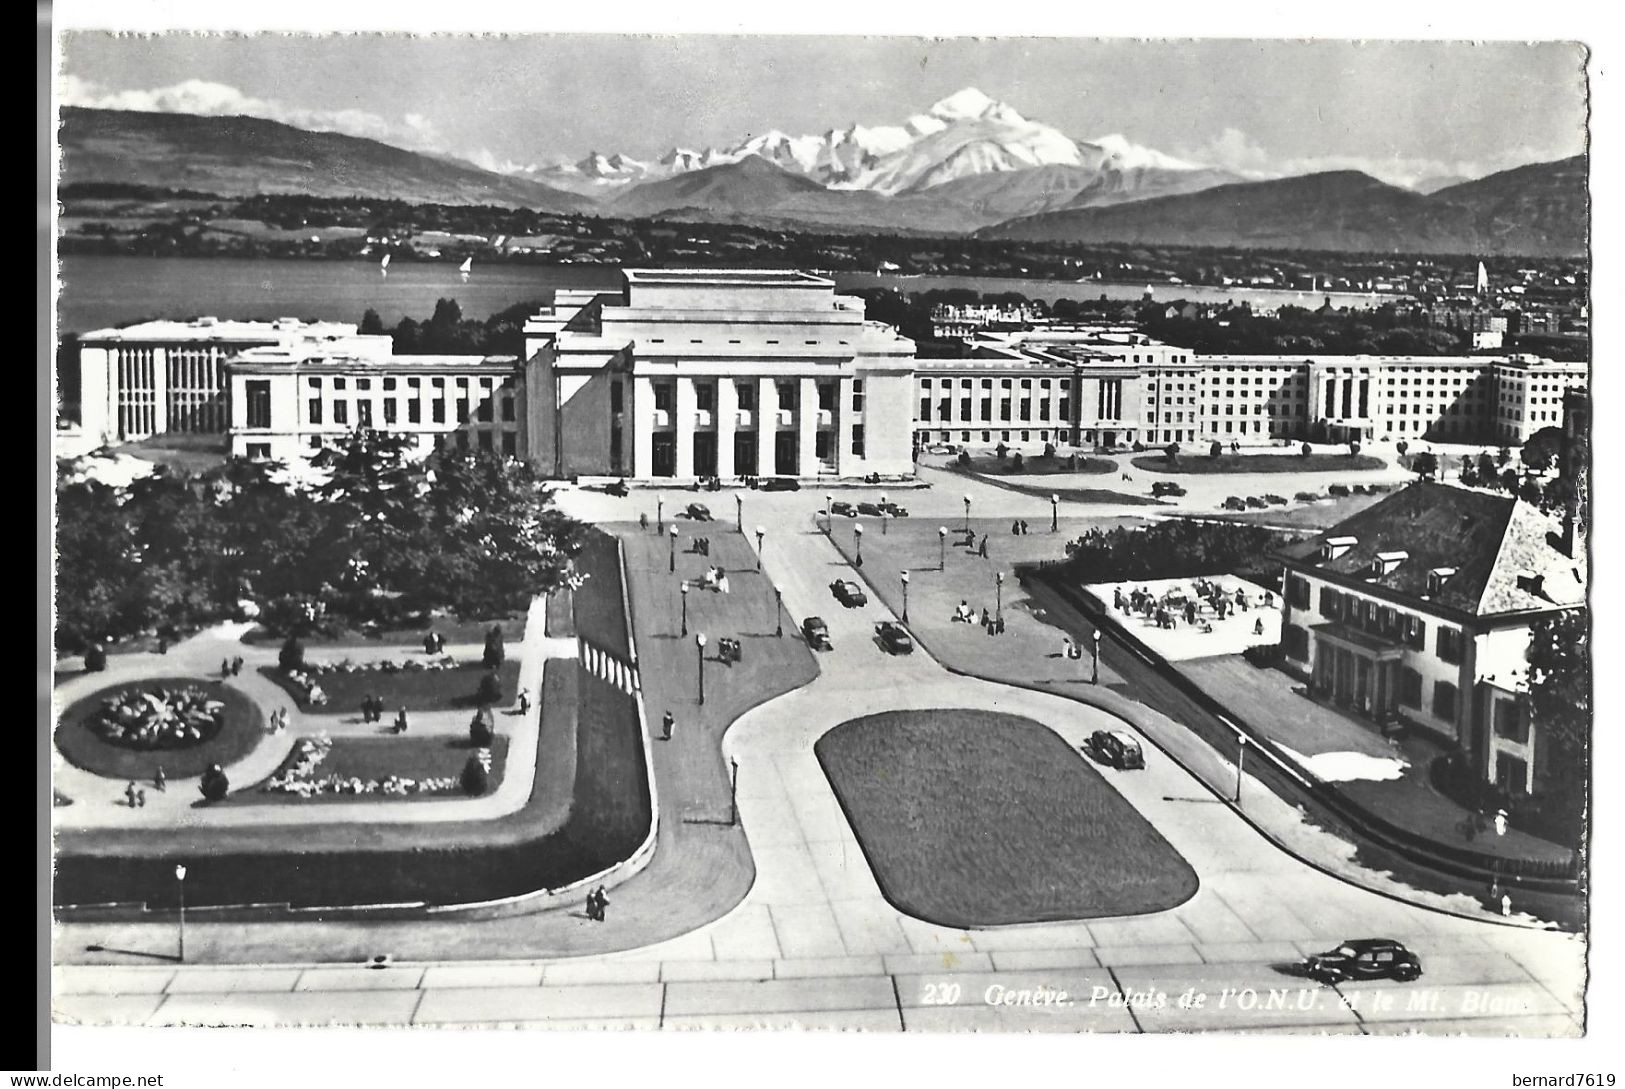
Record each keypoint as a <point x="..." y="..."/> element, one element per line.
<point x="1264" y="655"/>
<point x="1139" y="447"/>
<point x="1001" y="451"/>
<point x="1215" y="450"/>
<point x="1234" y="502"/>
<point x="95" y="658"/>
<point x="482" y="729"/>
<point x="1402" y="446"/>
<point x="1354" y="449"/>
<point x="1275" y="500"/>
<point x="1305" y="450"/>
<point x="1049" y="449"/>
<point x="490" y="690"/>
<point x="1018" y="462"/>
<point x="493" y="647"/>
<point x="1338" y="491"/>
<point x="475" y="779"/>
<point x="1256" y="503"/>
<point x="214" y="785"/>
<point x="1171" y="453"/>
<point x="964" y="458"/>
<point x="292" y="655"/>
<point x="1306" y="497"/>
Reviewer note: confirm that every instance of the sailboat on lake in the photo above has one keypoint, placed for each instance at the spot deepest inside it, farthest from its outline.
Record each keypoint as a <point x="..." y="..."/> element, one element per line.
<point x="466" y="267"/>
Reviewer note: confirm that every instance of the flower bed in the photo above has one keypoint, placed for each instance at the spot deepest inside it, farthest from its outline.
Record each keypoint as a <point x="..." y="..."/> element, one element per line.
<point x="128" y="731"/>
<point x="308" y="687"/>
<point x="430" y="685"/>
<point x="156" y="717"/>
<point x="324" y="769"/>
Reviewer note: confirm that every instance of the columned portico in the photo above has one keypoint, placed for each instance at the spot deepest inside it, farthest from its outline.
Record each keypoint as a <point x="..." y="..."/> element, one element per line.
<point x="1357" y="670"/>
<point x="767" y="424"/>
<point x="807" y="427"/>
<point x="685" y="427"/>
<point x="643" y="426"/>
<point x="843" y="425"/>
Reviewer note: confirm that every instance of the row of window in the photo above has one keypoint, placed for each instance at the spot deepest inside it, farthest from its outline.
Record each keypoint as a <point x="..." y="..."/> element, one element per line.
<point x="705" y="396"/>
<point x="486" y="441"/>
<point x="1370" y="616"/>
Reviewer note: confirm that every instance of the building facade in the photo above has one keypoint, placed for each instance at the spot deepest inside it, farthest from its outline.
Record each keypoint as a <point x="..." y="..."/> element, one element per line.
<point x="685" y="374"/>
<point x="287" y="403"/>
<point x="162" y="376"/>
<point x="1417" y="611"/>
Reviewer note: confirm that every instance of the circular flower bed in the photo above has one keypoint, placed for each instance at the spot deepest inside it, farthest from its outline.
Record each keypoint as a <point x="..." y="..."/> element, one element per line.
<point x="181" y="724"/>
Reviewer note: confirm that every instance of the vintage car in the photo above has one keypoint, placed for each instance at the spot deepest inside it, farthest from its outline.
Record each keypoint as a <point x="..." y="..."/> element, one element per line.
<point x="698" y="512"/>
<point x="841" y="506"/>
<point x="816" y="632"/>
<point x="1364" y="958"/>
<point x="1117" y="748"/>
<point x="894" y="637"/>
<point x="894" y="510"/>
<point x="871" y="510"/>
<point x="781" y="484"/>
<point x="848" y="593"/>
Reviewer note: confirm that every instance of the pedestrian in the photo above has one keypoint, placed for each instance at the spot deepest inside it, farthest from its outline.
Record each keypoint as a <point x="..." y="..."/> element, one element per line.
<point x="603" y="902"/>
<point x="643" y="520"/>
<point x="1500" y="822"/>
<point x="667" y="721"/>
<point x="1024" y="527"/>
<point x="1015" y="529"/>
<point x="592" y="906"/>
<point x="225" y="667"/>
<point x="428" y="643"/>
<point x="987" y="620"/>
<point x="141" y="798"/>
<point x="999" y="623"/>
<point x="983" y="550"/>
<point x="400" y="720"/>
<point x="524" y="701"/>
<point x="159" y="779"/>
<point x="129" y="794"/>
<point x="1258" y="626"/>
<point x="163" y="644"/>
<point x="236" y="665"/>
<point x="1506" y="905"/>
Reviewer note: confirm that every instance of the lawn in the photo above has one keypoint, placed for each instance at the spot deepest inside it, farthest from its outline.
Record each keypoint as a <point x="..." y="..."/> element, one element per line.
<point x="1033" y="466"/>
<point x="83" y="748"/>
<point x="973" y="819"/>
<point x="416" y="690"/>
<point x="455" y="630"/>
<point x="1199" y="464"/>
<point x="370" y="758"/>
<point x="1079" y="495"/>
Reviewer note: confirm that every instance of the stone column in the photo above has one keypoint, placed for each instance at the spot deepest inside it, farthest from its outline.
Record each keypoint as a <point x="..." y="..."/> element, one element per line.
<point x="643" y="426"/>
<point x="685" y="402"/>
<point x="845" y="461"/>
<point x="727" y="423"/>
<point x="807" y="428"/>
<point x="767" y="422"/>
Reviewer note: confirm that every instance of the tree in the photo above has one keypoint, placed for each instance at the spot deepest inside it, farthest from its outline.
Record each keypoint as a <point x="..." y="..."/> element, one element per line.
<point x="1529" y="491"/>
<point x="490" y="690"/>
<point x="214" y="785"/>
<point x="1401" y="446"/>
<point x="95" y="659"/>
<point x="292" y="655"/>
<point x="482" y="729"/>
<point x="493" y="647"/>
<point x="371" y="323"/>
<point x="1425" y="465"/>
<point x="1469" y="473"/>
<point x="1560" y="688"/>
<point x="475" y="780"/>
<point x="1017" y="461"/>
<point x="1487" y="473"/>
<point x="1502" y="456"/>
<point x="1543" y="449"/>
<point x="1049" y="450"/>
<point x="1215" y="449"/>
<point x="1354" y="449"/>
<point x="1171" y="453"/>
<point x="1305" y="450"/>
<point x="1000" y="451"/>
<point x="1509" y="482"/>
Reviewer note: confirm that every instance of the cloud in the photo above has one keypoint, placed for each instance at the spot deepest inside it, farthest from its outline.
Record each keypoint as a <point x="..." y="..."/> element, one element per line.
<point x="1239" y="153"/>
<point x="198" y="96"/>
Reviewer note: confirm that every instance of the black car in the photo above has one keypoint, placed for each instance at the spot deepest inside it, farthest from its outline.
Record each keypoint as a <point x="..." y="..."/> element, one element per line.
<point x="894" y="510"/>
<point x="616" y="487"/>
<point x="1117" y="748"/>
<point x="698" y="512"/>
<point x="848" y="593"/>
<point x="816" y="632"/>
<point x="894" y="637"/>
<point x="870" y="509"/>
<point x="781" y="484"/>
<point x="840" y="506"/>
<point x="1364" y="958"/>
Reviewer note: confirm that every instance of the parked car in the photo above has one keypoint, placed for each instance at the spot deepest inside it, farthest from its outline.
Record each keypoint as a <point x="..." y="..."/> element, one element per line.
<point x="1364" y="958"/>
<point x="848" y="593"/>
<point x="870" y="509"/>
<point x="781" y="484"/>
<point x="616" y="487"/>
<point x="1160" y="488"/>
<point x="841" y="506"/>
<point x="1117" y="748"/>
<point x="816" y="632"/>
<point x="699" y="512"/>
<point x="894" y="637"/>
<point x="894" y="510"/>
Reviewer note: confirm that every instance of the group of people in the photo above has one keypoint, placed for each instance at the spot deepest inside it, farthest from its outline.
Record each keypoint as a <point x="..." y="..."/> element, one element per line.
<point x="980" y="549"/>
<point x="596" y="903"/>
<point x="1019" y="527"/>
<point x="1167" y="610"/>
<point x="279" y="720"/>
<point x="230" y="667"/>
<point x="702" y="546"/>
<point x="715" y="578"/>
<point x="372" y="710"/>
<point x="964" y="614"/>
<point x="136" y="798"/>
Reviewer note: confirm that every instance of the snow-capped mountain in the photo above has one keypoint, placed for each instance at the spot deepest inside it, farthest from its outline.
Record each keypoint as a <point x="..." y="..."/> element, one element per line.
<point x="964" y="135"/>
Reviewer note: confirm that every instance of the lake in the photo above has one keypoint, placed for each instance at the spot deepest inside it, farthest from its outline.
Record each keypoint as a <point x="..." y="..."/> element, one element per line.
<point x="98" y="292"/>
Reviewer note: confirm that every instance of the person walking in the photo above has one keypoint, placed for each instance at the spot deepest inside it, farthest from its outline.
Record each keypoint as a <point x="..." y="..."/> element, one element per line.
<point x="524" y="701"/>
<point x="1024" y="527"/>
<point x="592" y="906"/>
<point x="400" y="720"/>
<point x="225" y="667"/>
<point x="603" y="902"/>
<point x="129" y="794"/>
<point x="159" y="779"/>
<point x="667" y="721"/>
<point x="982" y="551"/>
<point x="236" y="665"/>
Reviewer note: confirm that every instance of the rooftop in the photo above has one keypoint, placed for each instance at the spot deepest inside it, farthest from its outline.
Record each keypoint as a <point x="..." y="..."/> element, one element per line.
<point x="207" y="329"/>
<point x="1503" y="551"/>
<point x="729" y="277"/>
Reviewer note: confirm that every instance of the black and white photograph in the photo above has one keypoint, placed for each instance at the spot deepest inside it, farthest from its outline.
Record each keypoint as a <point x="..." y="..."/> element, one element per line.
<point x="838" y="532"/>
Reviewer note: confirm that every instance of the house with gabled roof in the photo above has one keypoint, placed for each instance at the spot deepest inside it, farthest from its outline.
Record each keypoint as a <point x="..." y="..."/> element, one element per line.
<point x="1417" y="612"/>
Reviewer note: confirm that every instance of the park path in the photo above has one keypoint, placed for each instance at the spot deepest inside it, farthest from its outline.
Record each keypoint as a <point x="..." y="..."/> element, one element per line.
<point x="814" y="943"/>
<point x="100" y="802"/>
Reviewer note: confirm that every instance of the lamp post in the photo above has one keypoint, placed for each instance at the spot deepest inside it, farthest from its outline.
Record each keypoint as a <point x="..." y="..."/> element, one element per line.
<point x="733" y="791"/>
<point x="905" y="597"/>
<point x="998" y="596"/>
<point x="942" y="548"/>
<point x="828" y="525"/>
<point x="1241" y="759"/>
<point x="699" y="644"/>
<point x="967" y="514"/>
<point x="857" y="537"/>
<point x="885" y="514"/>
<point x="739" y="511"/>
<point x="1094" y="662"/>
<point x="683" y="591"/>
<point x="673" y="536"/>
<point x="1054" y="513"/>
<point x="660" y="515"/>
<point x="778" y="611"/>
<point x="180" y="887"/>
<point x="760" y="533"/>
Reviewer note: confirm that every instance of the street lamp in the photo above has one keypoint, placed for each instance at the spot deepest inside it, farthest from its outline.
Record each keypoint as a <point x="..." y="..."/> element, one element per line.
<point x="673" y="536"/>
<point x="683" y="590"/>
<point x="998" y="600"/>
<point x="778" y="610"/>
<point x="967" y="514"/>
<point x="733" y="791"/>
<point x="699" y="643"/>
<point x="857" y="536"/>
<point x="942" y="548"/>
<point x="739" y="511"/>
<point x="660" y="515"/>
<point x="1054" y="513"/>
<point x="1241" y="759"/>
<point x="885" y="520"/>
<point x="760" y="533"/>
<point x="905" y="597"/>
<point x="1094" y="663"/>
<point x="828" y="525"/>
<point x="180" y="886"/>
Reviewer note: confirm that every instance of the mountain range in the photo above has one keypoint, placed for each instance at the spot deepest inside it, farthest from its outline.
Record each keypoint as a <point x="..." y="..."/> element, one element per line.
<point x="968" y="164"/>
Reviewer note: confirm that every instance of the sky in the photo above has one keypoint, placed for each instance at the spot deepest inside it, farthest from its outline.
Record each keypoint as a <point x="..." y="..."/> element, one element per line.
<point x="1402" y="111"/>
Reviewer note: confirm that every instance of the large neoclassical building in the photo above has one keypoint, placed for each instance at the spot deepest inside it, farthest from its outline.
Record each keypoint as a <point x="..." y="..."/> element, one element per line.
<point x="729" y="373"/>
